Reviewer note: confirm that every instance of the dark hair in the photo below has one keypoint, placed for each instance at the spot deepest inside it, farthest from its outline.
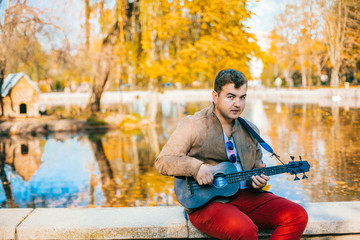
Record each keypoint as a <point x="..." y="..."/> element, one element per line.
<point x="229" y="76"/>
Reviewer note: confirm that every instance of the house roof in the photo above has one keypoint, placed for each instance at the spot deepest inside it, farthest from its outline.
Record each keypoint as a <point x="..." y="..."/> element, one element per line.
<point x="12" y="79"/>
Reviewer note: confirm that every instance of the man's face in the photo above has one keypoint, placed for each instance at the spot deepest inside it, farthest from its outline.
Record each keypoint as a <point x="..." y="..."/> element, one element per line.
<point x="230" y="103"/>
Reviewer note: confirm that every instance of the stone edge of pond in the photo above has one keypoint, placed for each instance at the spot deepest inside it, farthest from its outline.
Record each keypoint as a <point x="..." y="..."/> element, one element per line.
<point x="325" y="219"/>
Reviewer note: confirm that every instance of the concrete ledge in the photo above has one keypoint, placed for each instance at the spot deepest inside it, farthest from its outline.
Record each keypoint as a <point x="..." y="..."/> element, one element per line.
<point x="10" y="219"/>
<point x="327" y="220"/>
<point x="104" y="223"/>
<point x="333" y="218"/>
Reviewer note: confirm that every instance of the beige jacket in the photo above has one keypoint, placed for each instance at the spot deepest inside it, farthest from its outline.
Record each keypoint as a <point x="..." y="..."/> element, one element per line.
<point x="199" y="139"/>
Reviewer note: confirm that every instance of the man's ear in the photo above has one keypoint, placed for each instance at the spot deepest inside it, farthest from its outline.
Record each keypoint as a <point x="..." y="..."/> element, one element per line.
<point x="215" y="96"/>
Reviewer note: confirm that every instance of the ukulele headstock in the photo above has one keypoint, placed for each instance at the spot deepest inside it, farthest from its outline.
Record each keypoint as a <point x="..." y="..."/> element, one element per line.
<point x="296" y="167"/>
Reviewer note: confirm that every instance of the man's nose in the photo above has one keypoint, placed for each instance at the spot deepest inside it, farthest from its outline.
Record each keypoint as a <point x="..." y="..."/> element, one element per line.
<point x="237" y="102"/>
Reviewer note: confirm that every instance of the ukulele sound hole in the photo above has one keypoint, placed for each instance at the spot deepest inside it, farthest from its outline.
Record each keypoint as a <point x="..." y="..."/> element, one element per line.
<point x="219" y="181"/>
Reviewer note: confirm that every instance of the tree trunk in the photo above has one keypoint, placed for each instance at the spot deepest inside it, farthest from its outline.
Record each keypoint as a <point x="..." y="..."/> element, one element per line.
<point x="334" y="80"/>
<point x="318" y="73"/>
<point x="87" y="23"/>
<point x="10" y="202"/>
<point x="309" y="77"/>
<point x="153" y="105"/>
<point x="153" y="86"/>
<point x="355" y="82"/>
<point x="2" y="78"/>
<point x="106" y="171"/>
<point x="303" y="69"/>
<point x="131" y="76"/>
<point x="288" y="78"/>
<point x="134" y="37"/>
<point x="335" y="28"/>
<point x="103" y="67"/>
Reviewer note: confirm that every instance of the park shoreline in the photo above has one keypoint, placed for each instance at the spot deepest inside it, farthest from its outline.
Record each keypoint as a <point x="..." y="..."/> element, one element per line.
<point x="341" y="96"/>
<point x="44" y="125"/>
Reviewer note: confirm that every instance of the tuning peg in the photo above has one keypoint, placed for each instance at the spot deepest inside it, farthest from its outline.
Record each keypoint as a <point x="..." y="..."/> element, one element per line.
<point x="304" y="176"/>
<point x="296" y="178"/>
<point x="292" y="158"/>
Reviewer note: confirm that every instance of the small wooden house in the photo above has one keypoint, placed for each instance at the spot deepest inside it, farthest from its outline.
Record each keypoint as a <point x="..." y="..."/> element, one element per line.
<point x="20" y="96"/>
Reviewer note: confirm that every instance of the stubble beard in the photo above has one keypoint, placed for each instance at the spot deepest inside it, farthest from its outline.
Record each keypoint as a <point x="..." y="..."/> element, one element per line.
<point x="230" y="116"/>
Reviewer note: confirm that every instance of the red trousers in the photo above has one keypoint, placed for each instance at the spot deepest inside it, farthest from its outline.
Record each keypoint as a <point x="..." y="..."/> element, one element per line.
<point x="248" y="211"/>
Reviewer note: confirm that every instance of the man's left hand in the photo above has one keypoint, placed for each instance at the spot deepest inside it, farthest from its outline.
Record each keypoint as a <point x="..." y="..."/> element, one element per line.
<point x="260" y="181"/>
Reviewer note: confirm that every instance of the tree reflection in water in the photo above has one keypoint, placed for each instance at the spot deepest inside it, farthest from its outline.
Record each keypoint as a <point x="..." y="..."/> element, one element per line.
<point x="328" y="137"/>
<point x="116" y="169"/>
<point x="9" y="199"/>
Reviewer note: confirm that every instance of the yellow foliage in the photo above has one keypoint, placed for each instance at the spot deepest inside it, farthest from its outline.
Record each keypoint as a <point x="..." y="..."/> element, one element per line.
<point x="193" y="41"/>
<point x="160" y="41"/>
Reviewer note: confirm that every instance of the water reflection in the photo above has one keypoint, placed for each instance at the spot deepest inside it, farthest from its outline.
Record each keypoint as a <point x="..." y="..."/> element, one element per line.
<point x="116" y="168"/>
<point x="329" y="138"/>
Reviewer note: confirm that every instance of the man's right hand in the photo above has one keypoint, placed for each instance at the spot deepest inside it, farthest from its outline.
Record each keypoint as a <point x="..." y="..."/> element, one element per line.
<point x="204" y="175"/>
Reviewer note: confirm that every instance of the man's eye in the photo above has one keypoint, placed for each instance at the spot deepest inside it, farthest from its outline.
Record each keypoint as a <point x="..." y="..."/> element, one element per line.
<point x="230" y="97"/>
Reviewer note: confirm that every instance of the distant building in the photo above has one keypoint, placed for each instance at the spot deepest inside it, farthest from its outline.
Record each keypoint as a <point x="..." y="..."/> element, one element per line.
<point x="20" y="96"/>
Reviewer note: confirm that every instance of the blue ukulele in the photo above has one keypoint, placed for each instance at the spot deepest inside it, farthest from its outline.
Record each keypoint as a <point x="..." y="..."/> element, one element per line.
<point x="226" y="181"/>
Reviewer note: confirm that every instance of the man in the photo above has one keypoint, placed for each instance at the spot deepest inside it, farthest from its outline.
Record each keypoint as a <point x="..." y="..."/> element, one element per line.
<point x="215" y="135"/>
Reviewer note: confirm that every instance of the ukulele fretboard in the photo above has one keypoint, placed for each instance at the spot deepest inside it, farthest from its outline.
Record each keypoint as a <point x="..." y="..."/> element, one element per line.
<point x="244" y="175"/>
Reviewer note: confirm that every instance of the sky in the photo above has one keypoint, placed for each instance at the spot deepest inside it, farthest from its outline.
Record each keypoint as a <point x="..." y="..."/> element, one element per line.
<point x="264" y="18"/>
<point x="261" y="24"/>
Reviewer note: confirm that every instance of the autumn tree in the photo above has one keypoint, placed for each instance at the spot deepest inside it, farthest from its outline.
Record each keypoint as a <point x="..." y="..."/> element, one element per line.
<point x="106" y="56"/>
<point x="340" y="21"/>
<point x="335" y="16"/>
<point x="280" y="61"/>
<point x="20" y="48"/>
<point x="312" y="49"/>
<point x="283" y="48"/>
<point x="295" y="29"/>
<point x="311" y="33"/>
<point x="296" y="43"/>
<point x="352" y="41"/>
<point x="219" y="39"/>
<point x="154" y="42"/>
<point x="186" y="41"/>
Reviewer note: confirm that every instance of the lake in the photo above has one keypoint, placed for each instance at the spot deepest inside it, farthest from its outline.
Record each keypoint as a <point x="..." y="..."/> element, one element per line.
<point x="116" y="168"/>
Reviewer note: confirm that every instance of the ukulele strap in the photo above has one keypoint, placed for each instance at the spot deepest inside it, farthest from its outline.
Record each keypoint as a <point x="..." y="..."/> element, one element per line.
<point x="252" y="132"/>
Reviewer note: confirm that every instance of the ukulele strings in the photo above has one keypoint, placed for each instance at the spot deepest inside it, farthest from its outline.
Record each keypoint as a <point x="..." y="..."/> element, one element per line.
<point x="239" y="176"/>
